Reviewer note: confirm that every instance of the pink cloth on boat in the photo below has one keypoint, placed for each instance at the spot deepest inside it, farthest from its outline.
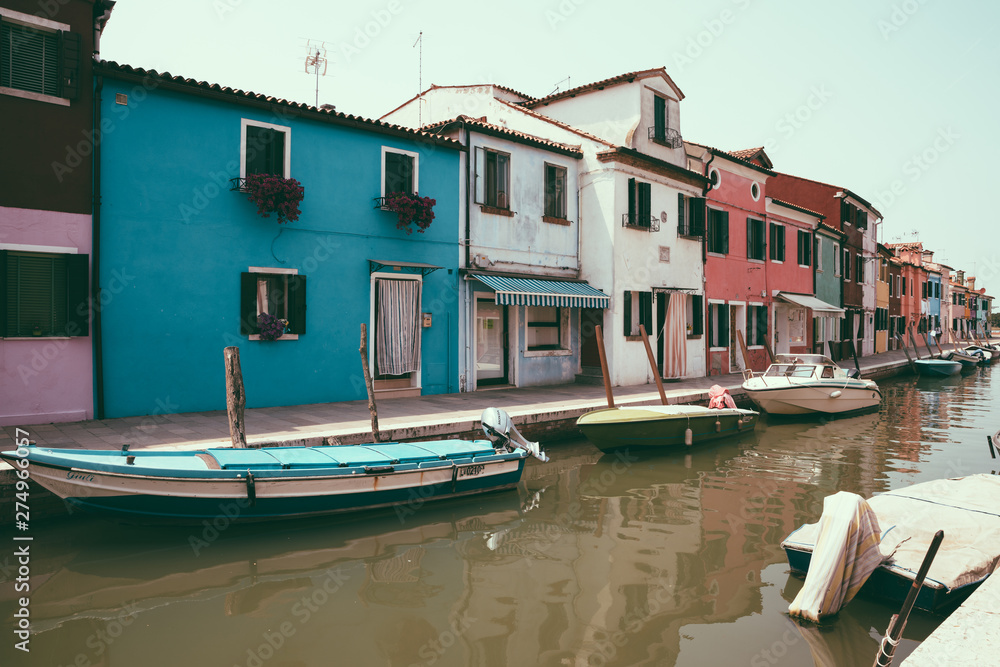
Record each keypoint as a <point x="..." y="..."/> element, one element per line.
<point x="720" y="398"/>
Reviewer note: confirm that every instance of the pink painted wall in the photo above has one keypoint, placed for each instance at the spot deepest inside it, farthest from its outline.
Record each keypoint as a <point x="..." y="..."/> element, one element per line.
<point x="45" y="379"/>
<point x="789" y="276"/>
<point x="733" y="277"/>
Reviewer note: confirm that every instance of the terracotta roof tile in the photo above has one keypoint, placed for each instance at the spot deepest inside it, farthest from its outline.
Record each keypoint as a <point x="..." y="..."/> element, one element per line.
<point x="628" y="77"/>
<point x="504" y="131"/>
<point x="111" y="68"/>
<point x="557" y="123"/>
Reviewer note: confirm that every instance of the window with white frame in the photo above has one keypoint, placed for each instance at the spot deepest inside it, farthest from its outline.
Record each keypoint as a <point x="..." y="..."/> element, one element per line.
<point x="859" y="269"/>
<point x="756" y="241"/>
<point x="818" y="252"/>
<point x="555" y="191"/>
<point x="777" y="253"/>
<point x="638" y="309"/>
<point x="400" y="170"/>
<point x="278" y="293"/>
<point x="265" y="148"/>
<point x="546" y="328"/>
<point x="718" y="231"/>
<point x="836" y="259"/>
<point x="805" y="245"/>
<point x="492" y="171"/>
<point x="39" y="58"/>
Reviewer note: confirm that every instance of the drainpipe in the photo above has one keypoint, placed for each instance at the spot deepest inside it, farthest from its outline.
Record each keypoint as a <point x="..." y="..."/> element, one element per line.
<point x="467" y="286"/>
<point x="704" y="263"/>
<point x="95" y="258"/>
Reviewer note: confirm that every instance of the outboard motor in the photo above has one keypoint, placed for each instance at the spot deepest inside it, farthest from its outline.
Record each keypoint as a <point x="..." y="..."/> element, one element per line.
<point x="501" y="431"/>
<point x="853" y="373"/>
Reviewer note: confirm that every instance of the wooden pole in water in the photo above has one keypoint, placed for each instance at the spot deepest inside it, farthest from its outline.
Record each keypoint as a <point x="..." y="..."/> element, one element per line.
<point x="376" y="437"/>
<point x="743" y="348"/>
<point x="888" y="646"/>
<point x="599" y="332"/>
<point x="236" y="398"/>
<point x="938" y="345"/>
<point x="913" y="340"/>
<point x="652" y="364"/>
<point x="906" y="351"/>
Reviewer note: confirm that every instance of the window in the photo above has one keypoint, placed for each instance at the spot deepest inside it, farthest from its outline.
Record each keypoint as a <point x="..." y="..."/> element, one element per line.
<point x="818" y="252"/>
<point x="847" y="264"/>
<point x="277" y="292"/>
<point x="555" y="191"/>
<point x="718" y="325"/>
<point x="544" y="328"/>
<point x="399" y="171"/>
<point x="39" y="58"/>
<point x="757" y="325"/>
<point x="266" y="149"/>
<point x="492" y="178"/>
<point x="755" y="239"/>
<point x="836" y="259"/>
<point x="696" y="314"/>
<point x="903" y="292"/>
<point x="638" y="310"/>
<point x="859" y="269"/>
<point x="659" y="119"/>
<point x="805" y="246"/>
<point x="639" y="204"/>
<point x="860" y="218"/>
<point x="718" y="231"/>
<point x="44" y="294"/>
<point x="690" y="216"/>
<point x="777" y="242"/>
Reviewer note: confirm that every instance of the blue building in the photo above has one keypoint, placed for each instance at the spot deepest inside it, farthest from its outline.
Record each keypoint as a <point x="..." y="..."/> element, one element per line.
<point x="188" y="266"/>
<point x="933" y="288"/>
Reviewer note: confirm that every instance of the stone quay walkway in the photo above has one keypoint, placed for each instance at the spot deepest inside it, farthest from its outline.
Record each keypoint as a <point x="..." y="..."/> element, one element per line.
<point x="538" y="411"/>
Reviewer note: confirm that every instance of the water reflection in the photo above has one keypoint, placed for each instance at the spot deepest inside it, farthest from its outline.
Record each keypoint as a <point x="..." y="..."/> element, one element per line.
<point x="663" y="558"/>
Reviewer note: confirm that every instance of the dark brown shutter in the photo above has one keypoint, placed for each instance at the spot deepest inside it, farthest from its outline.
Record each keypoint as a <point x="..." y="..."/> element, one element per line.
<point x="646" y="310"/>
<point x="69" y="65"/>
<point x="77" y="295"/>
<point x="681" y="229"/>
<point x="697" y="314"/>
<point x="297" y="304"/>
<point x="749" y="238"/>
<point x="645" y="204"/>
<point x="248" y="303"/>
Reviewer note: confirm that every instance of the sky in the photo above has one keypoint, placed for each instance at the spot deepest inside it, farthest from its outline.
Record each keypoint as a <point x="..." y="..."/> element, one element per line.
<point x="892" y="100"/>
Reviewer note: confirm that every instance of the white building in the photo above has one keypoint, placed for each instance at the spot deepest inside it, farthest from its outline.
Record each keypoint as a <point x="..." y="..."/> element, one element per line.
<point x="631" y="183"/>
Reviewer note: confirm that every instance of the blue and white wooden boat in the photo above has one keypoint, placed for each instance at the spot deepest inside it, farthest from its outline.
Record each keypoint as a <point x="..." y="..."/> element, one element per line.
<point x="278" y="482"/>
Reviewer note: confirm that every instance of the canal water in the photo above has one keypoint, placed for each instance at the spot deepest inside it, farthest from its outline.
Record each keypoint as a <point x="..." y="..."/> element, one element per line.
<point x="667" y="558"/>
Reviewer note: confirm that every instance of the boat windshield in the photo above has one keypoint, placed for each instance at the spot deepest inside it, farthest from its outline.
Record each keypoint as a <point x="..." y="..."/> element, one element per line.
<point x="804" y="359"/>
<point x="791" y="370"/>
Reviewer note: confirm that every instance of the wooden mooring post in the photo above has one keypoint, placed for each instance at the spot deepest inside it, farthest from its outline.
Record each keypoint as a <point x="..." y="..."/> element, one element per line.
<point x="236" y="399"/>
<point x="376" y="436"/>
<point x="652" y="363"/>
<point x="599" y="332"/>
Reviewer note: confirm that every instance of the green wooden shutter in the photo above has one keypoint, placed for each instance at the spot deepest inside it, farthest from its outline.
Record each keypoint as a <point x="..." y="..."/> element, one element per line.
<point x="69" y="65"/>
<point x="659" y="118"/>
<point x="725" y="232"/>
<point x="248" y="304"/>
<point x="645" y="204"/>
<point x="631" y="201"/>
<point x="696" y="225"/>
<point x="681" y="229"/>
<point x="749" y="238"/>
<point x="77" y="295"/>
<point x="627" y="298"/>
<point x="4" y="285"/>
<point x="697" y="314"/>
<point x="297" y="304"/>
<point x="646" y="310"/>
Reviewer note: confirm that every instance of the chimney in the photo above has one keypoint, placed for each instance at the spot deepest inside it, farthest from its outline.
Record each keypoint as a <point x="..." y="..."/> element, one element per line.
<point x="960" y="277"/>
<point x="971" y="283"/>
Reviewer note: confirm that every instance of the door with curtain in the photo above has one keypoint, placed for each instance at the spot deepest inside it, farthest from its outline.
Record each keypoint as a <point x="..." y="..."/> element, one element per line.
<point x="397" y="332"/>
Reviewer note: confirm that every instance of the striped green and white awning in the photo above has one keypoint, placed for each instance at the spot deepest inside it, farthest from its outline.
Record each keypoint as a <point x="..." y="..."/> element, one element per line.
<point x="543" y="292"/>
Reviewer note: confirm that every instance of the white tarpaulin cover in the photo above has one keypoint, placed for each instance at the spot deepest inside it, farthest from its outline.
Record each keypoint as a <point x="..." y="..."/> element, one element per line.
<point x="967" y="509"/>
<point x="846" y="552"/>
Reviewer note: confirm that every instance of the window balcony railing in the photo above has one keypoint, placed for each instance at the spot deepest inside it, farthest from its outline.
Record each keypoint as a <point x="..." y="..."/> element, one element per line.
<point x="636" y="221"/>
<point x="238" y="184"/>
<point x="665" y="136"/>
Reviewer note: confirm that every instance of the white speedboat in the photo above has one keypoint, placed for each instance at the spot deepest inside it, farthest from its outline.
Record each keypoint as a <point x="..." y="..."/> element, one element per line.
<point x="798" y="384"/>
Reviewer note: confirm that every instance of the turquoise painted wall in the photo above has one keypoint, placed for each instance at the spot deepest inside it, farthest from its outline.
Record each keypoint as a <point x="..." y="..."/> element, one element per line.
<point x="175" y="239"/>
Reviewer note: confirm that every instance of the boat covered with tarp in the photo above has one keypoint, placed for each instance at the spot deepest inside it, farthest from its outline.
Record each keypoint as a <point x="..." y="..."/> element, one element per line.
<point x="878" y="545"/>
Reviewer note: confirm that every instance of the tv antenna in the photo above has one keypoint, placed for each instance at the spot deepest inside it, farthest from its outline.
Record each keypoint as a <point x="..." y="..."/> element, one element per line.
<point x="316" y="58"/>
<point x="559" y="83"/>
<point x="420" y="79"/>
